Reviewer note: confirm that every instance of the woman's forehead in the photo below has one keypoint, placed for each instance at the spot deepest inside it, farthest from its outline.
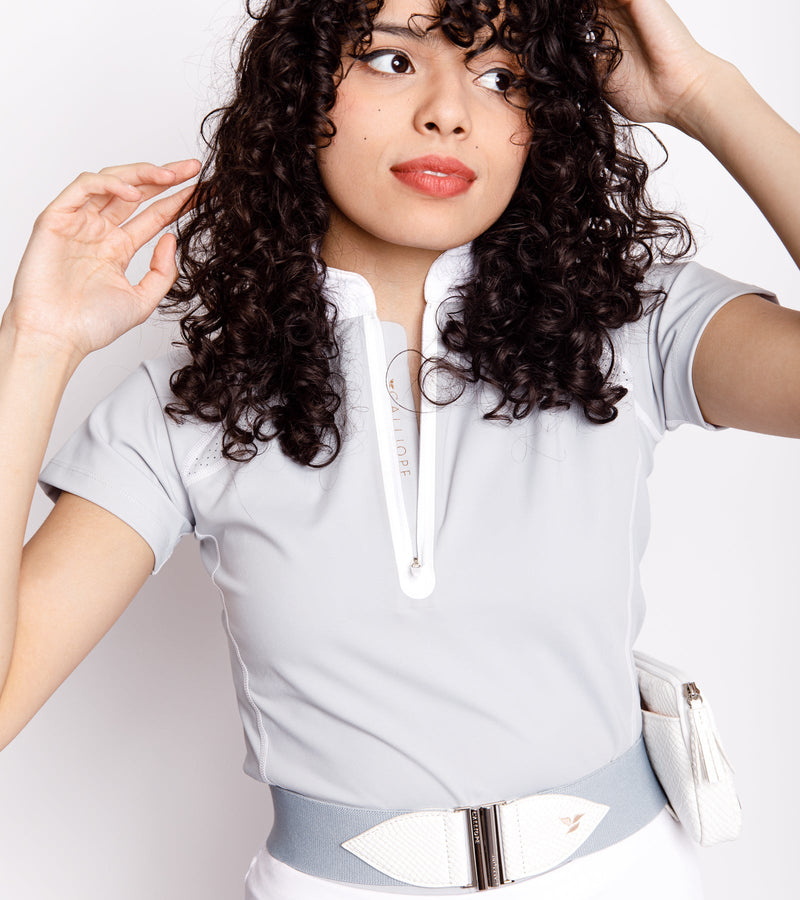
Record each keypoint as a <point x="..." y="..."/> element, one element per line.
<point x="469" y="24"/>
<point x="409" y="11"/>
<point x="477" y="9"/>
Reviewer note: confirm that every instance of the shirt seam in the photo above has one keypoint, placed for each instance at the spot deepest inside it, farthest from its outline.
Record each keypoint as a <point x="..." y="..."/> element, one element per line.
<point x="262" y="734"/>
<point x="647" y="421"/>
<point x="632" y="569"/>
<point x="640" y="418"/>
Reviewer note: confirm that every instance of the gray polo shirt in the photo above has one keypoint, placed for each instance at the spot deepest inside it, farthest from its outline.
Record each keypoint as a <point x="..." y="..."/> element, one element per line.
<point x="436" y="619"/>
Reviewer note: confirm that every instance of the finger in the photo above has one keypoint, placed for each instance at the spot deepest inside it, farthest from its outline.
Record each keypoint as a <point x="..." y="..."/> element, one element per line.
<point x="161" y="276"/>
<point x="158" y="215"/>
<point x="117" y="209"/>
<point x="129" y="171"/>
<point x="149" y="178"/>
<point x="93" y="184"/>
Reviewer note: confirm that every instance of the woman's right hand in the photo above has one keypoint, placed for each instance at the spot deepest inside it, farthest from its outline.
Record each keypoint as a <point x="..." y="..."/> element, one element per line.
<point x="70" y="290"/>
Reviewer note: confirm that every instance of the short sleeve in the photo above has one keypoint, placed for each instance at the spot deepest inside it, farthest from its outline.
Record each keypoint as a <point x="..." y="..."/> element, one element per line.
<point x="121" y="459"/>
<point x="694" y="295"/>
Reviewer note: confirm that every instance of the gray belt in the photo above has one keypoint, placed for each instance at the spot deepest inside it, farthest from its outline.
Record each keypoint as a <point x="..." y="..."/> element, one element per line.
<point x="430" y="850"/>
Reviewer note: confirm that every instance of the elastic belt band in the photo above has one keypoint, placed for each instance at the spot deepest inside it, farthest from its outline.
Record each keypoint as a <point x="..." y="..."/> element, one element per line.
<point x="621" y="797"/>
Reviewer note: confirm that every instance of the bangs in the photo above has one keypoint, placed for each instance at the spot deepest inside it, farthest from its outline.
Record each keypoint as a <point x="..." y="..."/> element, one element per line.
<point x="474" y="25"/>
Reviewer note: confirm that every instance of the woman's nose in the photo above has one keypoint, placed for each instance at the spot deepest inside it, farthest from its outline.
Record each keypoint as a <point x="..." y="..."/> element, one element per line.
<point x="443" y="108"/>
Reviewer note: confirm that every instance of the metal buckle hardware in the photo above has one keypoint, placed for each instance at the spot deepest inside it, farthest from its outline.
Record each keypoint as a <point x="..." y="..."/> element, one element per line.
<point x="483" y="823"/>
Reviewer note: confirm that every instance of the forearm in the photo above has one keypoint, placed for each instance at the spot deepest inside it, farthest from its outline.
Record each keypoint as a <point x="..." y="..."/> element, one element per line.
<point x="759" y="148"/>
<point x="33" y="376"/>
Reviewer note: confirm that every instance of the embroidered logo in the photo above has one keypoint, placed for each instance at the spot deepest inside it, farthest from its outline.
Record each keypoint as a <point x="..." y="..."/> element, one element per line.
<point x="573" y="823"/>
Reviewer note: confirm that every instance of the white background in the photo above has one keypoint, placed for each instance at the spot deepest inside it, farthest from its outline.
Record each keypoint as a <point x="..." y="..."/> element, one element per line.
<point x="128" y="784"/>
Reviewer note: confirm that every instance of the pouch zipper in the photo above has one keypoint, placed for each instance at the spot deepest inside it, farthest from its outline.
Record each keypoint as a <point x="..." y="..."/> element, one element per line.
<point x="709" y="761"/>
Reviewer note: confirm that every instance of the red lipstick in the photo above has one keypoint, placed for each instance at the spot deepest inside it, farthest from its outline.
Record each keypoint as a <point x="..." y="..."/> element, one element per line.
<point x="437" y="176"/>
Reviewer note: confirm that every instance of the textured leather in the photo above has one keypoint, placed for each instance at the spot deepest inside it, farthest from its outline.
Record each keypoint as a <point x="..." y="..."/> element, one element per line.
<point x="540" y="832"/>
<point x="432" y="848"/>
<point x="673" y="767"/>
<point x="687" y="756"/>
<point x="427" y="849"/>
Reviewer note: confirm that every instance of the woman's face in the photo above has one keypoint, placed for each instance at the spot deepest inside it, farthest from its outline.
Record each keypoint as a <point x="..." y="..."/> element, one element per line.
<point x="428" y="151"/>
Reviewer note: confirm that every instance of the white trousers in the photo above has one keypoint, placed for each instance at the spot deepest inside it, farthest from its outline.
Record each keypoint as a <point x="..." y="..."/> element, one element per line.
<point x="658" y="862"/>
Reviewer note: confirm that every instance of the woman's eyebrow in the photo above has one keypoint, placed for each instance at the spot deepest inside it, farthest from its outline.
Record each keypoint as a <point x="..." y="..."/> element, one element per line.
<point x="403" y="31"/>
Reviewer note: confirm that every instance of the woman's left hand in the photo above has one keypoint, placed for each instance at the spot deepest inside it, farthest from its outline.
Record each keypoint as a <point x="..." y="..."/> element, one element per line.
<point x="662" y="65"/>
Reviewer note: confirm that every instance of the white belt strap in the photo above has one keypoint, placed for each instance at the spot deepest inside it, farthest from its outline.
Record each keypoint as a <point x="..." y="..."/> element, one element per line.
<point x="473" y="847"/>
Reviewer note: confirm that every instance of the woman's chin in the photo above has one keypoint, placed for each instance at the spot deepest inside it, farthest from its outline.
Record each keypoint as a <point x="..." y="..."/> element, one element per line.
<point x="425" y="237"/>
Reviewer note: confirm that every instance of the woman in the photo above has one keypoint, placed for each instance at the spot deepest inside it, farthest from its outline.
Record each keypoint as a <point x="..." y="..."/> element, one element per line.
<point x="433" y="150"/>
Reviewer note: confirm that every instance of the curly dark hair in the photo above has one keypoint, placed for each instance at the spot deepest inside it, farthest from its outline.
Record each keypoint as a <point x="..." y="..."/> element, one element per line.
<point x="562" y="265"/>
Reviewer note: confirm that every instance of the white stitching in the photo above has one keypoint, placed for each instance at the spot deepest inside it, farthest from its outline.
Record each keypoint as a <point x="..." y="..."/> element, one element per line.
<point x="521" y="842"/>
<point x="262" y="750"/>
<point x="448" y="851"/>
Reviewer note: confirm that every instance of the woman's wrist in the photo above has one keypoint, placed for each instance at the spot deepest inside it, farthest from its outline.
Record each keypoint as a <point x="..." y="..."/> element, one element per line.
<point x="757" y="147"/>
<point x="46" y="351"/>
<point x="712" y="102"/>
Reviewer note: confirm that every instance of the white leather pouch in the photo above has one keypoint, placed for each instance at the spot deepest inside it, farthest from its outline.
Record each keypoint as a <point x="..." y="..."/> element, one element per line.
<point x="686" y="754"/>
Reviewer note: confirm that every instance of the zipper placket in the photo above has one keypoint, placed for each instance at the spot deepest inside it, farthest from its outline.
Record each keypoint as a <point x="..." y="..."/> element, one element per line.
<point x="426" y="487"/>
<point x="413" y="557"/>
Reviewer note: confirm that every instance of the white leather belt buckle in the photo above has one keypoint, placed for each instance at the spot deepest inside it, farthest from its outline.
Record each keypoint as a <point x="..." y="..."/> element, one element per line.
<point x="479" y="847"/>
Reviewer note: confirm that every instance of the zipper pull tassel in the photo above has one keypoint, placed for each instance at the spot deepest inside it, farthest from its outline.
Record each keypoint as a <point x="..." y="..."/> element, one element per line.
<point x="708" y="757"/>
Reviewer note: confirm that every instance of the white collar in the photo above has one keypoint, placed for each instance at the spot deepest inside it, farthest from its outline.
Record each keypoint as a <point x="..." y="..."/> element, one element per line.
<point x="352" y="294"/>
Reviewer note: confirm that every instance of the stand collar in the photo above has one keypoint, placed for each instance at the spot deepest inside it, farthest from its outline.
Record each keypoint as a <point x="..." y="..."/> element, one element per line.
<point x="352" y="294"/>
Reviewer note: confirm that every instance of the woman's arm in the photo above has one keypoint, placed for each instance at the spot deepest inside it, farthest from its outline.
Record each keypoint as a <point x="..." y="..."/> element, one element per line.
<point x="82" y="567"/>
<point x="746" y="369"/>
<point x="70" y="297"/>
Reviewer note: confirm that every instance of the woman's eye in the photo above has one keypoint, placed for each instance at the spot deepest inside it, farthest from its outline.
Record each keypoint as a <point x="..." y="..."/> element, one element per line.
<point x="499" y="80"/>
<point x="390" y="62"/>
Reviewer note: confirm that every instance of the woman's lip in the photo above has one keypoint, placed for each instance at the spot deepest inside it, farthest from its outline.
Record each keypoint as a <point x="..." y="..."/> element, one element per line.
<point x="436" y="176"/>
<point x="425" y="182"/>
<point x="443" y="165"/>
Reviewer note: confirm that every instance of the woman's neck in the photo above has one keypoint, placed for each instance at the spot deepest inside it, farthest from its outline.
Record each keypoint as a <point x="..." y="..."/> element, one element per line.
<point x="396" y="274"/>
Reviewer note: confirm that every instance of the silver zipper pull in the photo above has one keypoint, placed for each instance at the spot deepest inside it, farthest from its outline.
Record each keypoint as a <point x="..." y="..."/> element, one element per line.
<point x="693" y="696"/>
<point x="415" y="563"/>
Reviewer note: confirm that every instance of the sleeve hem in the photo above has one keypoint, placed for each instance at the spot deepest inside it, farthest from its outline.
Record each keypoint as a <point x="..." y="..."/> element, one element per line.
<point x="725" y="297"/>
<point x="161" y="530"/>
